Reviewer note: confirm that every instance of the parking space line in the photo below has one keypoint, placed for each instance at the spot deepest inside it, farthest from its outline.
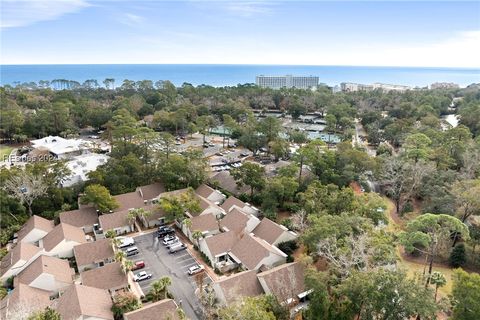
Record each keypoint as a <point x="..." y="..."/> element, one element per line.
<point x="184" y="257"/>
<point x="188" y="265"/>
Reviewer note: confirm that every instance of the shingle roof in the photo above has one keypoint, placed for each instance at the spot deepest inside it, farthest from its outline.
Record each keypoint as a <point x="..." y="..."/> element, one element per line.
<point x="22" y="251"/>
<point x="59" y="268"/>
<point x="107" y="277"/>
<point x="269" y="230"/>
<point x="86" y="216"/>
<point x="221" y="243"/>
<point x="160" y="310"/>
<point x="129" y="200"/>
<point x="78" y="301"/>
<point x="114" y="220"/>
<point x="92" y="252"/>
<point x="251" y="250"/>
<point x="285" y="281"/>
<point x="237" y="286"/>
<point x="61" y="232"/>
<point x="232" y="201"/>
<point x="23" y="298"/>
<point x="35" y="222"/>
<point x="151" y="191"/>
<point x="204" y="191"/>
<point x="156" y="212"/>
<point x="205" y="222"/>
<point x="225" y="181"/>
<point x="235" y="220"/>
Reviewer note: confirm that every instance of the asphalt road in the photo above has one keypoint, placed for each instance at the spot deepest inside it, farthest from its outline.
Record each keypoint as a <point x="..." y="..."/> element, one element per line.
<point x="160" y="263"/>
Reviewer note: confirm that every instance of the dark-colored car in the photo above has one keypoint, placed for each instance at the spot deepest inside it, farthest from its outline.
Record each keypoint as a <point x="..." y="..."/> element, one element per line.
<point x="164" y="231"/>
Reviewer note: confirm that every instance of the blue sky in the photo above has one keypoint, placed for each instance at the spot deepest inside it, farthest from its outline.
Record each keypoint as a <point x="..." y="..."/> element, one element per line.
<point x="443" y="34"/>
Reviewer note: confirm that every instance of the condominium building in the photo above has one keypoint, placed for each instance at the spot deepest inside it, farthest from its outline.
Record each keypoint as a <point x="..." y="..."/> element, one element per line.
<point x="353" y="87"/>
<point x="288" y="81"/>
<point x="444" y="85"/>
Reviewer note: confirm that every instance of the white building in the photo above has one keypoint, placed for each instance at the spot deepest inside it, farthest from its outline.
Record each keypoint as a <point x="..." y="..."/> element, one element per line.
<point x="63" y="148"/>
<point x="288" y="81"/>
<point x="80" y="166"/>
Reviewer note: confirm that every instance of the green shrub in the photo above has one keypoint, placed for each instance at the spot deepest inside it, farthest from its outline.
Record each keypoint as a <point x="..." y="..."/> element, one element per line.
<point x="288" y="247"/>
<point x="458" y="256"/>
<point x="408" y="207"/>
<point x="287" y="223"/>
<point x="270" y="214"/>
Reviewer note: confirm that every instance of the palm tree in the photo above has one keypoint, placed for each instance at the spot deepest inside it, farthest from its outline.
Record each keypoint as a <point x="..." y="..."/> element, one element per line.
<point x="165" y="283"/>
<point x="127" y="265"/>
<point x="156" y="290"/>
<point x="187" y="222"/>
<point x="196" y="235"/>
<point x="133" y="214"/>
<point x="438" y="279"/>
<point x="119" y="256"/>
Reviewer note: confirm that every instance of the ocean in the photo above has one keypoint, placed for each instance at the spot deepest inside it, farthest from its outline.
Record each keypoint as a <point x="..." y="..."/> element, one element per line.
<point x="229" y="75"/>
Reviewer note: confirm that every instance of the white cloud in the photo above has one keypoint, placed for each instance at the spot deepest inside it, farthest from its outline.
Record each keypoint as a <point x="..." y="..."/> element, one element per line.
<point x="19" y="13"/>
<point x="131" y="19"/>
<point x="249" y="8"/>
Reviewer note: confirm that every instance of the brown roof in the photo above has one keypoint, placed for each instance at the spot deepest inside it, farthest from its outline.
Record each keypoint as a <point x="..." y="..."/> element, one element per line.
<point x="232" y="201"/>
<point x="92" y="252"/>
<point x="204" y="191"/>
<point x="204" y="203"/>
<point x="61" y="232"/>
<point x="114" y="220"/>
<point x="86" y="216"/>
<point x="251" y="250"/>
<point x="235" y="220"/>
<point x="59" y="268"/>
<point x="129" y="200"/>
<point x="285" y="281"/>
<point x="225" y="181"/>
<point x="24" y="297"/>
<point x="268" y="230"/>
<point x="156" y="212"/>
<point x="237" y="286"/>
<point x="221" y="243"/>
<point x="151" y="191"/>
<point x="160" y="310"/>
<point x="205" y="222"/>
<point x="22" y="251"/>
<point x="78" y="301"/>
<point x="110" y="276"/>
<point x="35" y="222"/>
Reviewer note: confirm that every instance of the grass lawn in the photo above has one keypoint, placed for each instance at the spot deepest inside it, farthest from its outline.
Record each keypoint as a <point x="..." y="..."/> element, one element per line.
<point x="4" y="152"/>
<point x="414" y="268"/>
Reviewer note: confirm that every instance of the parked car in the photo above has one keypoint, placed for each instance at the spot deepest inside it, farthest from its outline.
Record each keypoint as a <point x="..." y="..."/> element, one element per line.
<point x="138" y="265"/>
<point x="170" y="241"/>
<point x="169" y="237"/>
<point x="179" y="247"/>
<point x="244" y="154"/>
<point x="131" y="251"/>
<point x="126" y="242"/>
<point x="142" y="275"/>
<point x="165" y="231"/>
<point x="173" y="244"/>
<point x="195" y="269"/>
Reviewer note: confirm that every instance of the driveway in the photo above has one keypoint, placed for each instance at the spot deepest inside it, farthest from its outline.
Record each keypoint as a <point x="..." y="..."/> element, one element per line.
<point x="160" y="263"/>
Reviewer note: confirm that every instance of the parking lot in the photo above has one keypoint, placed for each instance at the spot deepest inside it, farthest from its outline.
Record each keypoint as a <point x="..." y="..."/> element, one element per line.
<point x="159" y="262"/>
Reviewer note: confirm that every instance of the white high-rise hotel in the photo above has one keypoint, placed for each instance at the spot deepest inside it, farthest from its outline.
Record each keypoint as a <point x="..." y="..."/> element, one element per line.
<point x="288" y="81"/>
